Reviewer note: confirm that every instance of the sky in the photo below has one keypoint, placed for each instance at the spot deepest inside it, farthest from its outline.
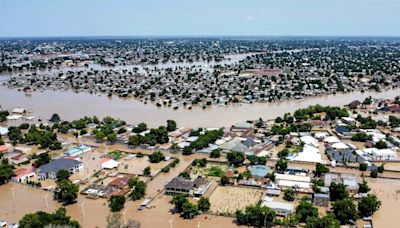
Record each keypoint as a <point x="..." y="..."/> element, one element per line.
<point x="42" y="18"/>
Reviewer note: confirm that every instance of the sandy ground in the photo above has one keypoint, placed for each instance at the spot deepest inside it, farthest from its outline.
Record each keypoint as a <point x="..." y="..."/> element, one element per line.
<point x="228" y="199"/>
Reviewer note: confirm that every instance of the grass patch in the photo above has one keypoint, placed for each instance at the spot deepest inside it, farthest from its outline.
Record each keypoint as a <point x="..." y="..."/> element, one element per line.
<point x="116" y="154"/>
<point x="216" y="171"/>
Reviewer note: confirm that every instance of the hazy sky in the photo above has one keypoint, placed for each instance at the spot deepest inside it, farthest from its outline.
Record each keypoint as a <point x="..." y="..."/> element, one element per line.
<point x="199" y="17"/>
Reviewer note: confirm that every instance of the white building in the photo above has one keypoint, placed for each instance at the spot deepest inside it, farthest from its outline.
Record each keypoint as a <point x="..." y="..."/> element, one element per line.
<point x="374" y="154"/>
<point x="50" y="170"/>
<point x="309" y="140"/>
<point x="281" y="209"/>
<point x="22" y="175"/>
<point x="308" y="154"/>
<point x="108" y="163"/>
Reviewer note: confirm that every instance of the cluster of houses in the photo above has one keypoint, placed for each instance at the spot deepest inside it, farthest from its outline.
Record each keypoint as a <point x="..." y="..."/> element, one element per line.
<point x="70" y="161"/>
<point x="117" y="186"/>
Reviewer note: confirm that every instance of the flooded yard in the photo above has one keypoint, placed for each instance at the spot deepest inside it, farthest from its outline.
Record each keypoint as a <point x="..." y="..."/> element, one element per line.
<point x="388" y="191"/>
<point x="137" y="165"/>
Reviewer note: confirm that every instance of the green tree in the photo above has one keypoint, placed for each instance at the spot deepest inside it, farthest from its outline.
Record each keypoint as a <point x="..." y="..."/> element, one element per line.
<point x="42" y="159"/>
<point x="185" y="175"/>
<point x="289" y="194"/>
<point x="171" y="125"/>
<point x="235" y="158"/>
<point x="112" y="137"/>
<point x="320" y="169"/>
<point x="66" y="192"/>
<point x="328" y="221"/>
<point x="374" y="173"/>
<point x="116" y="203"/>
<point x="178" y="201"/>
<point x="283" y="153"/>
<point x="138" y="188"/>
<point x="135" y="140"/>
<point x="305" y="210"/>
<point x="363" y="166"/>
<point x="361" y="137"/>
<point x="256" y="216"/>
<point x="381" y="168"/>
<point x="337" y="191"/>
<point x="43" y="219"/>
<point x="200" y="162"/>
<point x="344" y="210"/>
<point x="55" y="118"/>
<point x="63" y="174"/>
<point x="140" y="128"/>
<point x="368" y="205"/>
<point x="147" y="171"/>
<point x="189" y="210"/>
<point x="215" y="153"/>
<point x="255" y="160"/>
<point x="381" y="144"/>
<point x="363" y="187"/>
<point x="6" y="171"/>
<point x="281" y="165"/>
<point x="100" y="136"/>
<point x="156" y="157"/>
<point x="204" y="204"/>
<point x="224" y="180"/>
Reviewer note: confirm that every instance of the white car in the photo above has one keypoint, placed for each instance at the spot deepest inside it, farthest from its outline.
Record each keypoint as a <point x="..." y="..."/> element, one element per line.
<point x="3" y="223"/>
<point x="13" y="225"/>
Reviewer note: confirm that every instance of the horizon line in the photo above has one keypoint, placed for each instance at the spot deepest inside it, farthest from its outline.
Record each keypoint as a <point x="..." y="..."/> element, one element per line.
<point x="193" y="36"/>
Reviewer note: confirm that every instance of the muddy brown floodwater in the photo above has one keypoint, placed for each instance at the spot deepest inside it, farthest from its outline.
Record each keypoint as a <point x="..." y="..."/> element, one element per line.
<point x="16" y="200"/>
<point x="72" y="105"/>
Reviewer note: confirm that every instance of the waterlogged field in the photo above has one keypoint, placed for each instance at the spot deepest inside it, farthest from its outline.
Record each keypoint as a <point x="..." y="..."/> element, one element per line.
<point x="228" y="199"/>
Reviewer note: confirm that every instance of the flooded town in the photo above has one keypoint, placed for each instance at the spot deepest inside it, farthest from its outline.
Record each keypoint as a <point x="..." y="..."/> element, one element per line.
<point x="302" y="164"/>
<point x="199" y="114"/>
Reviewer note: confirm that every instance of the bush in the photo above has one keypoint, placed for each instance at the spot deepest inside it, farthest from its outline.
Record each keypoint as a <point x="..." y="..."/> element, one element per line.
<point x="289" y="195"/>
<point x="368" y="205"/>
<point x="204" y="204"/>
<point x="215" y="153"/>
<point x="363" y="166"/>
<point x="381" y="168"/>
<point x="147" y="171"/>
<point x="156" y="157"/>
<point x="235" y="158"/>
<point x="139" y="188"/>
<point x="256" y="216"/>
<point x="361" y="137"/>
<point x="185" y="175"/>
<point x="216" y="171"/>
<point x="116" y="203"/>
<point x="200" y="162"/>
<point x="374" y="174"/>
